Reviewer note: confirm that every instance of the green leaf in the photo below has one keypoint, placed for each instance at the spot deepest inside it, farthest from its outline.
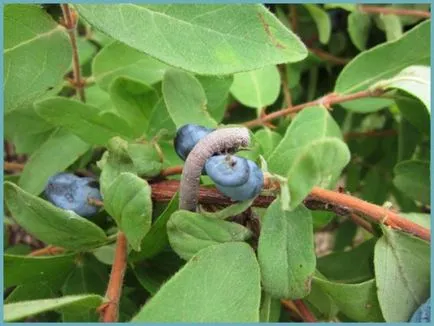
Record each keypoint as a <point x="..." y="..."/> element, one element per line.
<point x="153" y="273"/>
<point x="62" y="145"/>
<point x="205" y="39"/>
<point x="185" y="99"/>
<point x="128" y="201"/>
<point x="134" y="102"/>
<point x="48" y="272"/>
<point x="270" y="309"/>
<point x="118" y="59"/>
<point x="229" y="211"/>
<point x="258" y="88"/>
<point x="310" y="159"/>
<point x="415" y="112"/>
<point x="156" y="239"/>
<point x="190" y="232"/>
<point x="340" y="267"/>
<point x="345" y="6"/>
<point x="408" y="139"/>
<point x="28" y="29"/>
<point x="359" y="25"/>
<point x="322" y="21"/>
<point x="286" y="252"/>
<point x="142" y="159"/>
<point x="402" y="270"/>
<point x="31" y="291"/>
<point x="391" y="24"/>
<point x="322" y="302"/>
<point x="51" y="224"/>
<point x="219" y="284"/>
<point x="357" y="301"/>
<point x="413" y="179"/>
<point x="21" y="310"/>
<point x="268" y="140"/>
<point x="86" y="121"/>
<point x="414" y="80"/>
<point x="217" y="91"/>
<point x="160" y="121"/>
<point x="363" y="72"/>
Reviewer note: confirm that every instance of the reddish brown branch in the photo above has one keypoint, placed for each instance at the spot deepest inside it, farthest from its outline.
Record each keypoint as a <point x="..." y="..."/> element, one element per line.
<point x="48" y="250"/>
<point x="329" y="57"/>
<point x="171" y="171"/>
<point x="376" y="213"/>
<point x="394" y="11"/>
<point x="110" y="310"/>
<point x="326" y="101"/>
<point x="319" y="199"/>
<point x="304" y="311"/>
<point x="70" y="22"/>
<point x="293" y="17"/>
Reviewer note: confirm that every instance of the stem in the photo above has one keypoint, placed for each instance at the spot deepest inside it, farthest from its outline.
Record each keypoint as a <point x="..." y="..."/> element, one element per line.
<point x="304" y="311"/>
<point x="171" y="171"/>
<point x="329" y="57"/>
<point x="71" y="24"/>
<point x="394" y="11"/>
<point x="48" y="250"/>
<point x="220" y="140"/>
<point x="326" y="100"/>
<point x="293" y="17"/>
<point x="362" y="223"/>
<point x="110" y="311"/>
<point x="13" y="166"/>
<point x="377" y="213"/>
<point x="285" y="88"/>
<point x="318" y="199"/>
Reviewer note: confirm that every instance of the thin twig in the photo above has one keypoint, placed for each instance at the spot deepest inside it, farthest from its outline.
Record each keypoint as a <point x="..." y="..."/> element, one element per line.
<point x="70" y="22"/>
<point x="13" y="166"/>
<point x="361" y="222"/>
<point x="48" y="250"/>
<point x="110" y="310"/>
<point x="285" y="88"/>
<point x="326" y="101"/>
<point x="304" y="311"/>
<point x="329" y="57"/>
<point x="293" y="17"/>
<point x="394" y="11"/>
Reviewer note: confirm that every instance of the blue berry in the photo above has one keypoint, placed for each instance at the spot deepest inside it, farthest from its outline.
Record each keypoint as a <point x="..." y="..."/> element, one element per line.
<point x="70" y="192"/>
<point x="423" y="313"/>
<point x="236" y="177"/>
<point x="187" y="137"/>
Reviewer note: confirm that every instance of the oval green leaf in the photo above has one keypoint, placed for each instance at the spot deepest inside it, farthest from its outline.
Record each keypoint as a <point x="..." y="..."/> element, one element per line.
<point x="51" y="224"/>
<point x="219" y="284"/>
<point x="286" y="252"/>
<point x="413" y="179"/>
<point x="205" y="39"/>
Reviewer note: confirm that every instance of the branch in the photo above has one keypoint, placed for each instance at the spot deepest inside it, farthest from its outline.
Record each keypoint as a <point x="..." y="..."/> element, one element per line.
<point x="329" y="57"/>
<point x="304" y="311"/>
<point x="48" y="250"/>
<point x="110" y="310"/>
<point x="13" y="166"/>
<point x="326" y="101"/>
<point x="394" y="11"/>
<point x="318" y="199"/>
<point x="70" y="22"/>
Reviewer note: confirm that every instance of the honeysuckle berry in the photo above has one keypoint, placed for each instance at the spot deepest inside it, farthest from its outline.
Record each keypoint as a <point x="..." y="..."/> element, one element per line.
<point x="236" y="177"/>
<point x="187" y="137"/>
<point x="70" y="192"/>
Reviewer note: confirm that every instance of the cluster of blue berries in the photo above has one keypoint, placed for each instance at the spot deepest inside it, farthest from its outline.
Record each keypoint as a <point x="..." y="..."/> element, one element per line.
<point x="236" y="177"/>
<point x="70" y="192"/>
